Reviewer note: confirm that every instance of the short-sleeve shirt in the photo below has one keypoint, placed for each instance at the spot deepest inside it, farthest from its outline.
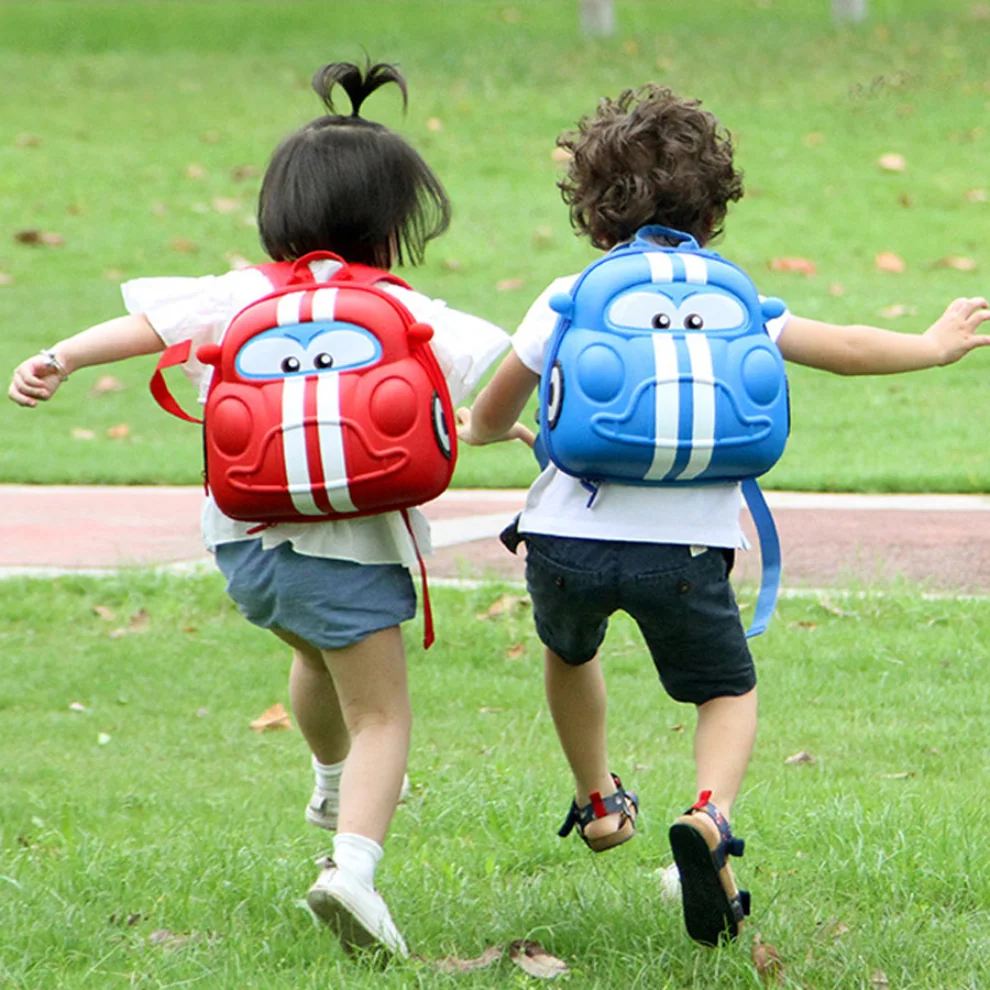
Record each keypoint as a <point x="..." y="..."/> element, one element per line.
<point x="557" y="503"/>
<point x="199" y="309"/>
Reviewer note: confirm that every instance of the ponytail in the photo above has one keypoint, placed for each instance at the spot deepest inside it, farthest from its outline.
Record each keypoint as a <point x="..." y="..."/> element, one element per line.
<point x="356" y="84"/>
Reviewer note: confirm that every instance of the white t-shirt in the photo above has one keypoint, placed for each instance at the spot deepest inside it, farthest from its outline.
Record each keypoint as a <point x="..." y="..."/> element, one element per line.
<point x="557" y="503"/>
<point x="199" y="309"/>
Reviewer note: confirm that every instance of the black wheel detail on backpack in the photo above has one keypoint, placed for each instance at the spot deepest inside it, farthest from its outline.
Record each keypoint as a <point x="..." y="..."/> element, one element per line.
<point x="555" y="394"/>
<point x="441" y="429"/>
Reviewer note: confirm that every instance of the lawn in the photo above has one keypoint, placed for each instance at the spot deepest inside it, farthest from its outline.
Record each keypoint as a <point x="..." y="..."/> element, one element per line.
<point x="151" y="839"/>
<point x="135" y="132"/>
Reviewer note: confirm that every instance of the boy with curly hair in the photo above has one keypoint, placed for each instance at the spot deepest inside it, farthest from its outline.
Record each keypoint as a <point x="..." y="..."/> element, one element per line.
<point x="662" y="554"/>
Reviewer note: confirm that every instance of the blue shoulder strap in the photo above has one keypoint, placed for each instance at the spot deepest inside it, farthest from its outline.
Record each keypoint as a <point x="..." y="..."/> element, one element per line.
<point x="766" y="601"/>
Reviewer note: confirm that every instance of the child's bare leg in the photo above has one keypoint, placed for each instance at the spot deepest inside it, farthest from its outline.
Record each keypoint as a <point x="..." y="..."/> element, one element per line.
<point x="578" y="701"/>
<point x="723" y="742"/>
<point x="315" y="706"/>
<point x="372" y="688"/>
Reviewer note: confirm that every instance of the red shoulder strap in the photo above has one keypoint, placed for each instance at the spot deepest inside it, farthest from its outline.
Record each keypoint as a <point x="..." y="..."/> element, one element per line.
<point x="175" y="355"/>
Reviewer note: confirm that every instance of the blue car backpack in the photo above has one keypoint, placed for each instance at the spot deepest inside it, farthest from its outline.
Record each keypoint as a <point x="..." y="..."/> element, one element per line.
<point x="660" y="371"/>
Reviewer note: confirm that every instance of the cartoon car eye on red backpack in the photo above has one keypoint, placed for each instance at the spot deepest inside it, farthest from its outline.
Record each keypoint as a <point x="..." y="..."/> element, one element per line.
<point x="326" y="401"/>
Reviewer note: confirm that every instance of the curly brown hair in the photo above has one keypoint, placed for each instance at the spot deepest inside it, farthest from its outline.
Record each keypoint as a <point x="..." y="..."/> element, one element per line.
<point x="648" y="157"/>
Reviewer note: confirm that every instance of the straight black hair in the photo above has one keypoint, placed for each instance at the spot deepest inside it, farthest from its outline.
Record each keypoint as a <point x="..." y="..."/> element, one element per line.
<point x="349" y="185"/>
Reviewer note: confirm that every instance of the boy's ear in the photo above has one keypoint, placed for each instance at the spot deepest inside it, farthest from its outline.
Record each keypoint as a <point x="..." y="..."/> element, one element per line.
<point x="773" y="307"/>
<point x="561" y="302"/>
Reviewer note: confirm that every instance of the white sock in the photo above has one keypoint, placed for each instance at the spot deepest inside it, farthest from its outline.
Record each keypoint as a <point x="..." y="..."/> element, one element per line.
<point x="327" y="775"/>
<point x="357" y="855"/>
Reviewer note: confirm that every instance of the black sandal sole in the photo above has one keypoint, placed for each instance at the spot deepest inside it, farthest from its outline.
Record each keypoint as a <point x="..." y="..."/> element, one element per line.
<point x="708" y="914"/>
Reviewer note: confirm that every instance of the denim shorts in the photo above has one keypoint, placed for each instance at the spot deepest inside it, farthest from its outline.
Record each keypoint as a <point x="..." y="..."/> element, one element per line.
<point x="683" y="604"/>
<point x="329" y="603"/>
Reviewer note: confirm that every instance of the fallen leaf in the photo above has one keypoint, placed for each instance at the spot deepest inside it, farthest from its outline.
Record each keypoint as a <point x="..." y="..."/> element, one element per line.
<point x="767" y="961"/>
<point x="533" y="959"/>
<point x="190" y="629"/>
<point x="183" y="245"/>
<point x="77" y="706"/>
<point x="195" y="171"/>
<point x="27" y="141"/>
<point x="977" y="196"/>
<point x="107" y="383"/>
<point x="505" y="604"/>
<point x="509" y="284"/>
<point x="560" y="155"/>
<point x="630" y="47"/>
<point x="543" y="236"/>
<point x="826" y="605"/>
<point x="801" y="266"/>
<point x="139" y="622"/>
<point x="906" y="200"/>
<point x="515" y="652"/>
<point x="887" y="261"/>
<point x="802" y="757"/>
<point x="39" y="238"/>
<point x="806" y="624"/>
<point x="119" y="432"/>
<point x="105" y="613"/>
<point x="956" y="262"/>
<point x="80" y="433"/>
<point x="677" y="728"/>
<point x="832" y="927"/>
<point x="170" y="940"/>
<point x="225" y="204"/>
<point x="272" y="719"/>
<point x="836" y="289"/>
<point x="814" y="139"/>
<point x="901" y="775"/>
<point x="933" y="751"/>
<point x="434" y="125"/>
<point x="898" y="309"/>
<point x="6" y="279"/>
<point x="451" y="964"/>
<point x="241" y="172"/>
<point x="879" y="980"/>
<point x="892" y="162"/>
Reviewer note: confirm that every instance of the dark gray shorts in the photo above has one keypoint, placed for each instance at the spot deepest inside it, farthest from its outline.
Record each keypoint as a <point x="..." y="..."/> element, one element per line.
<point x="684" y="607"/>
<point x="329" y="603"/>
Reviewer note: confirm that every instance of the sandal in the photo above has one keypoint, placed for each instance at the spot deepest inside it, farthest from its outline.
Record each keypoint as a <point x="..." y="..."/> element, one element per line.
<point x="622" y="802"/>
<point x="714" y="907"/>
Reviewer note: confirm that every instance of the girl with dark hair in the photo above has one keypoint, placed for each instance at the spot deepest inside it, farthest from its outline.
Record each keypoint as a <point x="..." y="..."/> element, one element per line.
<point x="335" y="591"/>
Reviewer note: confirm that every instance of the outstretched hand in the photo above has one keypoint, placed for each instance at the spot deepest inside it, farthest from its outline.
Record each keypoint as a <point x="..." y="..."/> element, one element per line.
<point x="954" y="333"/>
<point x="515" y="432"/>
<point x="34" y="381"/>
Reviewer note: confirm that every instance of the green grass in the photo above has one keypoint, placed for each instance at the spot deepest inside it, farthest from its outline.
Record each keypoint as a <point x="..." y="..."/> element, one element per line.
<point x="872" y="858"/>
<point x="106" y="105"/>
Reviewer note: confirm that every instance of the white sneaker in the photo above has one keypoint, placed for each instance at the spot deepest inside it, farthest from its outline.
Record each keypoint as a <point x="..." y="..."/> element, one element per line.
<point x="324" y="806"/>
<point x="355" y="912"/>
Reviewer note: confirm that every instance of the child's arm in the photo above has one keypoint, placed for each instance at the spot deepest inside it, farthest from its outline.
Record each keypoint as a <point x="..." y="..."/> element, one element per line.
<point x="865" y="350"/>
<point x="495" y="413"/>
<point x="36" y="379"/>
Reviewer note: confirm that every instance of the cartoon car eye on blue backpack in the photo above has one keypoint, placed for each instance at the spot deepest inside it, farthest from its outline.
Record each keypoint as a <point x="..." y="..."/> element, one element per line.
<point x="660" y="372"/>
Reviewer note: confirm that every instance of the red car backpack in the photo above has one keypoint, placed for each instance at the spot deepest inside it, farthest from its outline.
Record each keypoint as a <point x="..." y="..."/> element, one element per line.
<point x="326" y="400"/>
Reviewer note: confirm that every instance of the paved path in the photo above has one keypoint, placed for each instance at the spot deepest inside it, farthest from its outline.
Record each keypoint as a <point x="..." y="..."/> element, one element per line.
<point x="941" y="542"/>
